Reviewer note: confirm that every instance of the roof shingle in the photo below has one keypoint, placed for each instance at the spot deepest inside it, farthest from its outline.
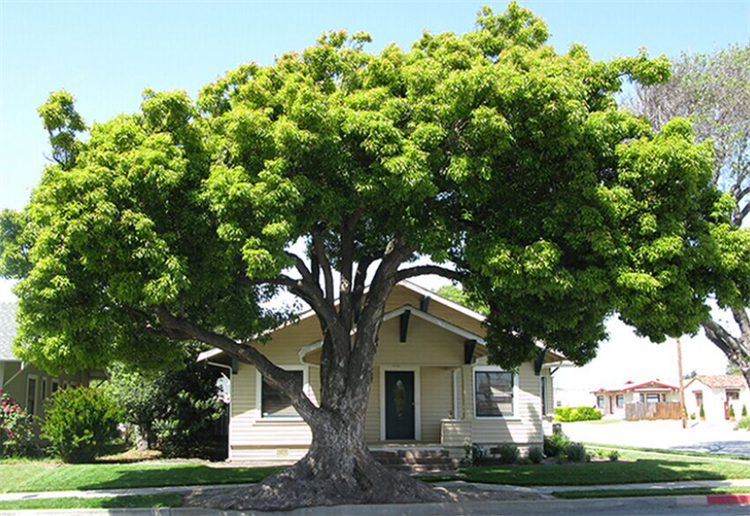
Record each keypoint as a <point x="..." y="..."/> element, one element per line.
<point x="722" y="381"/>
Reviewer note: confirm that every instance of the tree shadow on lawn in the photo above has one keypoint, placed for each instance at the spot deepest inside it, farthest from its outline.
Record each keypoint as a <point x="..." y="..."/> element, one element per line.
<point x="131" y="476"/>
<point x="602" y="473"/>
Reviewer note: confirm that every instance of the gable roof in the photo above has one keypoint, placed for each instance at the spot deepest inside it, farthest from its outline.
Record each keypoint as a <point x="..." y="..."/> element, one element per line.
<point x="632" y="386"/>
<point x="476" y="318"/>
<point x="7" y="331"/>
<point x="721" y="381"/>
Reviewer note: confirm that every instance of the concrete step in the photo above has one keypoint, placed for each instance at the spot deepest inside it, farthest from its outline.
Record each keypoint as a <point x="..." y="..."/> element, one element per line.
<point x="411" y="454"/>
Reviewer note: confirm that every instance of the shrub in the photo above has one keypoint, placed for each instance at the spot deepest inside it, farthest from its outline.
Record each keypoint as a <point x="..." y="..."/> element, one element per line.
<point x="614" y="456"/>
<point x="174" y="411"/>
<point x="80" y="423"/>
<point x="732" y="415"/>
<point x="743" y="424"/>
<point x="570" y="414"/>
<point x="556" y="444"/>
<point x="474" y="454"/>
<point x="744" y="411"/>
<point x="576" y="452"/>
<point x="508" y="454"/>
<point x="16" y="429"/>
<point x="536" y="455"/>
<point x="702" y="413"/>
<point x="692" y="416"/>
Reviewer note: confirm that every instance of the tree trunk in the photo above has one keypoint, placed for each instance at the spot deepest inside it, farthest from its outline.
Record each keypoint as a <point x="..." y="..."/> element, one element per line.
<point x="338" y="469"/>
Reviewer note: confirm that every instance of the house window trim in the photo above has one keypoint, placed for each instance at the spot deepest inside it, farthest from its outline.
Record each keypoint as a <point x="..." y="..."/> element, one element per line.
<point x="417" y="398"/>
<point x="516" y="390"/>
<point x="36" y="392"/>
<point x="259" y="392"/>
<point x="619" y="397"/>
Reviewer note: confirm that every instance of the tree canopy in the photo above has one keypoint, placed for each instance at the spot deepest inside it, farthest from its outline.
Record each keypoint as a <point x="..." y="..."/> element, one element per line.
<point x="506" y="163"/>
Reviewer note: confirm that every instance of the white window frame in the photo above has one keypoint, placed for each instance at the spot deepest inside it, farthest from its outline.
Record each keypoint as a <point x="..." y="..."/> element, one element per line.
<point x="417" y="398"/>
<point x="259" y="391"/>
<point x="516" y="390"/>
<point x="36" y="392"/>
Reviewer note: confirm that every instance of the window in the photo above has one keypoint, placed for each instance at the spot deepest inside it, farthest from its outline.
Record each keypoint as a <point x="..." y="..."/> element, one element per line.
<point x="544" y="395"/>
<point x="31" y="395"/>
<point x="600" y="402"/>
<point x="653" y="398"/>
<point x="274" y="403"/>
<point x="698" y="398"/>
<point x="620" y="400"/>
<point x="733" y="394"/>
<point x="55" y="386"/>
<point x="493" y="393"/>
<point x="44" y="388"/>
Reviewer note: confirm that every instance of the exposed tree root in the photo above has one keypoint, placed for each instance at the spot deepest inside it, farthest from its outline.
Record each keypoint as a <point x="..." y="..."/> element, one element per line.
<point x="305" y="485"/>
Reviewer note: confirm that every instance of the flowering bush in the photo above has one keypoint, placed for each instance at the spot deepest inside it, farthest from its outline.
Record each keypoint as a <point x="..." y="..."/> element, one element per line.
<point x="16" y="434"/>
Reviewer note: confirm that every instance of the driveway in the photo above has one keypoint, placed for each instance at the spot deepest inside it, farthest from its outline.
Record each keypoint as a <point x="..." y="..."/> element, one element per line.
<point x="668" y="435"/>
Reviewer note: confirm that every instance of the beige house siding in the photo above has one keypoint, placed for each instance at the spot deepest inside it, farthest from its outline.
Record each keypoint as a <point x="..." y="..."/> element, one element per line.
<point x="16" y="382"/>
<point x="435" y="353"/>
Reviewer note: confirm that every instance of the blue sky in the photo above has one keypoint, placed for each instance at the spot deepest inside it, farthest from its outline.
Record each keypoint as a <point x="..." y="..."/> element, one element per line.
<point x="106" y="53"/>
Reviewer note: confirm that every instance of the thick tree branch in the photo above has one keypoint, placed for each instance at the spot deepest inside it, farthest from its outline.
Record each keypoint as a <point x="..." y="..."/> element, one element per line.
<point x="723" y="340"/>
<point x="325" y="264"/>
<point x="422" y="270"/>
<point x="288" y="383"/>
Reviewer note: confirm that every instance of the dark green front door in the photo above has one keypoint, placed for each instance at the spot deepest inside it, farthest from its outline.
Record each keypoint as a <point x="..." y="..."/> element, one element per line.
<point x="399" y="405"/>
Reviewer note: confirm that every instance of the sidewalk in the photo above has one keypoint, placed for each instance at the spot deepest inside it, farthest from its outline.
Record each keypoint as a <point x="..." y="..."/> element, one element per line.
<point x="542" y="490"/>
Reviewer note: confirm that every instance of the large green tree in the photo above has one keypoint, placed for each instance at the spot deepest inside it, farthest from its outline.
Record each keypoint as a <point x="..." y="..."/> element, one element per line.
<point x="713" y="90"/>
<point x="507" y="164"/>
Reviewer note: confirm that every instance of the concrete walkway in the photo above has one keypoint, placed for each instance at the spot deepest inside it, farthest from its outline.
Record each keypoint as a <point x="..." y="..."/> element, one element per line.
<point x="110" y="493"/>
<point x="655" y="486"/>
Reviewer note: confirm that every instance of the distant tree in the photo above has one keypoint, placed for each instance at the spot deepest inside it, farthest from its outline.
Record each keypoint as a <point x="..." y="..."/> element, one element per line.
<point x="692" y="374"/>
<point x="713" y="90"/>
<point x="458" y="295"/>
<point x="487" y="150"/>
<point x="733" y="369"/>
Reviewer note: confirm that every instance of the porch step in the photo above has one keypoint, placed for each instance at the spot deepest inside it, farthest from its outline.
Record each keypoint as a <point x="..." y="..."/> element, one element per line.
<point x="417" y="461"/>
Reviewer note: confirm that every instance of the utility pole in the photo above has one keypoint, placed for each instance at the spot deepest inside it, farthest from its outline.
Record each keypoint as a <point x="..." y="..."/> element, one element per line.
<point x="683" y="413"/>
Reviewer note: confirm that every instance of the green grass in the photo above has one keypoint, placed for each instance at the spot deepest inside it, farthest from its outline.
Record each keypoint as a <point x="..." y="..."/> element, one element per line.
<point x="629" y="493"/>
<point x="668" y="452"/>
<point x="137" y="501"/>
<point x="633" y="468"/>
<point x="31" y="477"/>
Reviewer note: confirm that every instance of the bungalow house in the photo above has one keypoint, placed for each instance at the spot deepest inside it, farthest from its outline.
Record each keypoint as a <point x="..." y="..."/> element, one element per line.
<point x="432" y="385"/>
<point x="611" y="402"/>
<point x="30" y="386"/>
<point x="717" y="394"/>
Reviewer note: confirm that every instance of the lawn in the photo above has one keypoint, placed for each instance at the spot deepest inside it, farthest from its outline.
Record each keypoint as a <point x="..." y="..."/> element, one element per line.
<point x="153" y="501"/>
<point x="36" y="476"/>
<point x="629" y="493"/>
<point x="667" y="452"/>
<point x="634" y="468"/>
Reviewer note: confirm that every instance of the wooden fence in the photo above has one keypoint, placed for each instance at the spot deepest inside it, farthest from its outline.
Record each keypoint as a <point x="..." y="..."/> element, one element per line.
<point x="662" y="410"/>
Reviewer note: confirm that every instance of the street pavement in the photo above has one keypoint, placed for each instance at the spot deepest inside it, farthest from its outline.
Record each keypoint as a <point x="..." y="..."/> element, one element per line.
<point x="703" y="437"/>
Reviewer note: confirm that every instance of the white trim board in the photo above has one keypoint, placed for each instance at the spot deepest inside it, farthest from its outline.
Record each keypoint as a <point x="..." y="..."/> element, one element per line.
<point x="417" y="398"/>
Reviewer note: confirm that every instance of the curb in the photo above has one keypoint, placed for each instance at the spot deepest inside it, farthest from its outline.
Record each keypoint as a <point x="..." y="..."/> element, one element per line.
<point x="728" y="499"/>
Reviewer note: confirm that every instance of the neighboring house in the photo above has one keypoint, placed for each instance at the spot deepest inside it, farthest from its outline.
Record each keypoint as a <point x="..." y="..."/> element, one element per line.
<point x="28" y="385"/>
<point x="717" y="394"/>
<point x="611" y="402"/>
<point x="431" y="384"/>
